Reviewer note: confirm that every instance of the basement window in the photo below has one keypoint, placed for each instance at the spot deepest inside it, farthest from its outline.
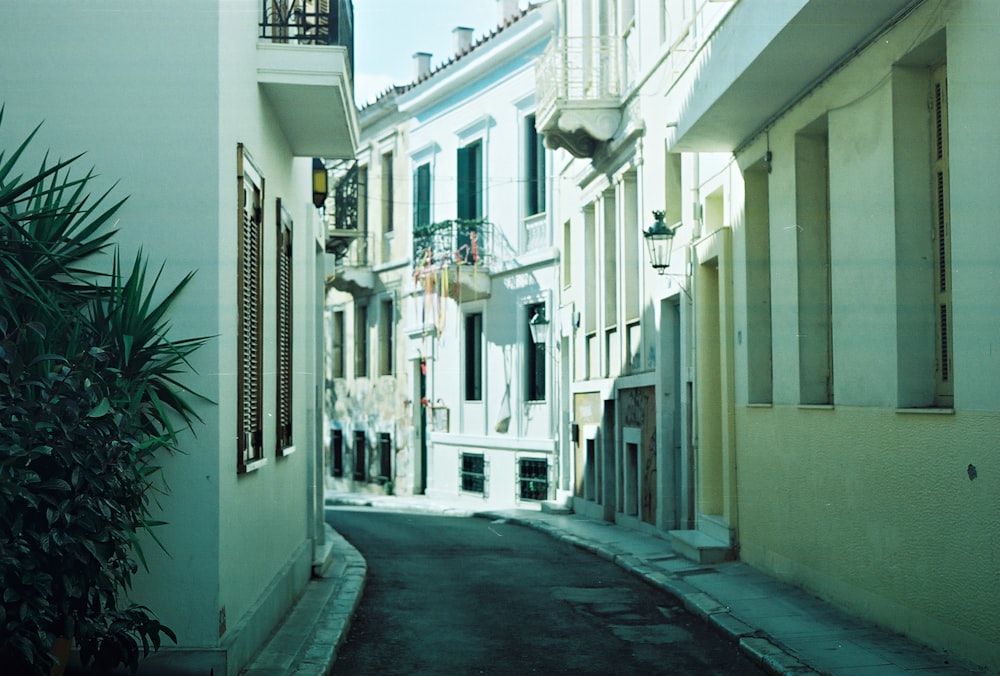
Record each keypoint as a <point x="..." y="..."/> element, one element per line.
<point x="473" y="473"/>
<point x="533" y="478"/>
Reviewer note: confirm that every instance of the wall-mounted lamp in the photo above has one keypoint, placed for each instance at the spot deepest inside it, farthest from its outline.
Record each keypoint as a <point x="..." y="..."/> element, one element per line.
<point x="660" y="241"/>
<point x="319" y="182"/>
<point x="538" y="325"/>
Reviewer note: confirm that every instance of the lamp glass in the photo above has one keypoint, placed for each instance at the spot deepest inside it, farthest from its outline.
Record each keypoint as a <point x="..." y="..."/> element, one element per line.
<point x="538" y="325"/>
<point x="319" y="182"/>
<point x="660" y="242"/>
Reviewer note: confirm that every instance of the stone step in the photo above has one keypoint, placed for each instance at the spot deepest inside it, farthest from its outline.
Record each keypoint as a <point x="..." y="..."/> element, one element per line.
<point x="700" y="547"/>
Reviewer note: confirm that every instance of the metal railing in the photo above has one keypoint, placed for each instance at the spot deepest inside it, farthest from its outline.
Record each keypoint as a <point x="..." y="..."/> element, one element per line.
<point x="351" y="248"/>
<point x="451" y="242"/>
<point x="587" y="68"/>
<point x="309" y="22"/>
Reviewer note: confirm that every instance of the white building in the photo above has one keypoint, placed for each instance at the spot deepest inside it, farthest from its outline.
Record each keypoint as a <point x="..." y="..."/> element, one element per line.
<point x="821" y="403"/>
<point x="472" y="411"/>
<point x="207" y="113"/>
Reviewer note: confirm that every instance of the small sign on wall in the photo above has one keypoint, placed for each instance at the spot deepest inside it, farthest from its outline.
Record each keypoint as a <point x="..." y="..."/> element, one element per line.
<point x="439" y="418"/>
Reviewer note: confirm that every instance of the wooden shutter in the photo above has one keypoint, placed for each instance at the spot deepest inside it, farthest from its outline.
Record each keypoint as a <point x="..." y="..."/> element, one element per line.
<point x="249" y="369"/>
<point x="422" y="195"/>
<point x="942" y="237"/>
<point x="284" y="330"/>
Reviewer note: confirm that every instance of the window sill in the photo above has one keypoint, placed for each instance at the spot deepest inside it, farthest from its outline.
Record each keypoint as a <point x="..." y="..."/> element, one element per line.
<point x="816" y="407"/>
<point x="252" y="466"/>
<point x="930" y="410"/>
<point x="286" y="451"/>
<point x="761" y="405"/>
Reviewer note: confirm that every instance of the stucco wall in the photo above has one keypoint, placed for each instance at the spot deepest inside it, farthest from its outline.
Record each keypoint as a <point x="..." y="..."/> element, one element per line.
<point x="877" y="511"/>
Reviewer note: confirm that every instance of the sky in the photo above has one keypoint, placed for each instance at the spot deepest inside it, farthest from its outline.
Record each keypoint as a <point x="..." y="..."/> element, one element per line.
<point x="388" y="32"/>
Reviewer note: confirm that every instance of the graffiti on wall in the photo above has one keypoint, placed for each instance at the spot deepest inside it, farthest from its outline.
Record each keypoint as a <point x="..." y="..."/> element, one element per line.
<point x="376" y="406"/>
<point x="638" y="409"/>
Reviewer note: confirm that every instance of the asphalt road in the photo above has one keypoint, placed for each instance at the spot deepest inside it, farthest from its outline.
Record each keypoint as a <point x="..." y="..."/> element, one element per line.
<point x="462" y="596"/>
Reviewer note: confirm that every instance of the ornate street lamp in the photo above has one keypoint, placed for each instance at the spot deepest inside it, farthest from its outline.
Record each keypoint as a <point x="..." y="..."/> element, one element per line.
<point x="538" y="325"/>
<point x="660" y="241"/>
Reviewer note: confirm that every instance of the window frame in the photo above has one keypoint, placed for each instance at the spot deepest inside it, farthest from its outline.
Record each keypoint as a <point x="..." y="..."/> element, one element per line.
<point x="473" y="357"/>
<point x="469" y="192"/>
<point x="284" y="328"/>
<point x="250" y="311"/>
<point x="535" y="367"/>
<point x="535" y="175"/>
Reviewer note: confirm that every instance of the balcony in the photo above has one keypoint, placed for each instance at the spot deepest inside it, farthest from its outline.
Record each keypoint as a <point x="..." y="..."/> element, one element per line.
<point x="454" y="258"/>
<point x="763" y="57"/>
<point x="578" y="81"/>
<point x="350" y="268"/>
<point x="305" y="52"/>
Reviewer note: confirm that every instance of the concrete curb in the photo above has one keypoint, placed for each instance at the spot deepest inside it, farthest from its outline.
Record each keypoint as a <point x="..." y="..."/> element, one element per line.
<point x="755" y="644"/>
<point x="307" y="641"/>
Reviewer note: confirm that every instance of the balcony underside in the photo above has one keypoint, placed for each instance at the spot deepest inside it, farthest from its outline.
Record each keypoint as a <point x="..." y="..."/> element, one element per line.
<point x="309" y="88"/>
<point x="580" y="127"/>
<point x="460" y="283"/>
<point x="355" y="281"/>
<point x="764" y="57"/>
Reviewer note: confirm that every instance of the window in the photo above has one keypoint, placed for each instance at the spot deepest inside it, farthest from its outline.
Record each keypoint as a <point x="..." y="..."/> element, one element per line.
<point x="283" y="419"/>
<point x="361" y="341"/>
<point x="534" y="359"/>
<point x="338" y="344"/>
<point x="249" y="376"/>
<point x="567" y="254"/>
<point x="474" y="357"/>
<point x="813" y="261"/>
<point x="472" y="471"/>
<point x="337" y="454"/>
<point x="534" y="154"/>
<point x="944" y="391"/>
<point x="384" y="456"/>
<point x="363" y="198"/>
<point x="360" y="459"/>
<point x="533" y="478"/>
<point x="609" y="290"/>
<point x="387" y="195"/>
<point x="758" y="272"/>
<point x="422" y="195"/>
<point x="470" y="181"/>
<point x="387" y="353"/>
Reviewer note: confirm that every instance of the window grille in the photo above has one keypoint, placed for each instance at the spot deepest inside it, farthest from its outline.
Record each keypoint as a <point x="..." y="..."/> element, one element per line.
<point x="533" y="478"/>
<point x="473" y="471"/>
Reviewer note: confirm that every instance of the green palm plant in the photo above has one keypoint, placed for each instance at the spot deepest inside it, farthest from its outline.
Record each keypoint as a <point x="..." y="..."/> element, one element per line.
<point x="91" y="396"/>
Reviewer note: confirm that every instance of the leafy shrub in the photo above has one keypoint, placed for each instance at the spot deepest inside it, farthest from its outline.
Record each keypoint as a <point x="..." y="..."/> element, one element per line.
<point x="89" y="399"/>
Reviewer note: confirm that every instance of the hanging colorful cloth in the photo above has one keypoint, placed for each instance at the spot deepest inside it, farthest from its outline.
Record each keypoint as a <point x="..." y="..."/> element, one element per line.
<point x="444" y="296"/>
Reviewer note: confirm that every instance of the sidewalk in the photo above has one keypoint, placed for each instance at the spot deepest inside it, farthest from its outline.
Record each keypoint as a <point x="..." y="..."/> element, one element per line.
<point x="783" y="628"/>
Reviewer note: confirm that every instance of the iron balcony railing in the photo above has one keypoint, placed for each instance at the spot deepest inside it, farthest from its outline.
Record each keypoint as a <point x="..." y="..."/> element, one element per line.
<point x="580" y="69"/>
<point x="309" y="22"/>
<point x="344" y="237"/>
<point x="453" y="242"/>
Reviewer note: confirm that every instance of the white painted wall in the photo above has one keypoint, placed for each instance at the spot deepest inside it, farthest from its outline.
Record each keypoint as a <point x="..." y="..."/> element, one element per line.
<point x="462" y="103"/>
<point x="158" y="96"/>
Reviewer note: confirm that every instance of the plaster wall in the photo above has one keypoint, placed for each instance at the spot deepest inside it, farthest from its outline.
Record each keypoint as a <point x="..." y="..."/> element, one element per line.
<point x="492" y="110"/>
<point x="885" y="510"/>
<point x="136" y="89"/>
<point x="159" y="97"/>
<point x="264" y="516"/>
<point x="875" y="511"/>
